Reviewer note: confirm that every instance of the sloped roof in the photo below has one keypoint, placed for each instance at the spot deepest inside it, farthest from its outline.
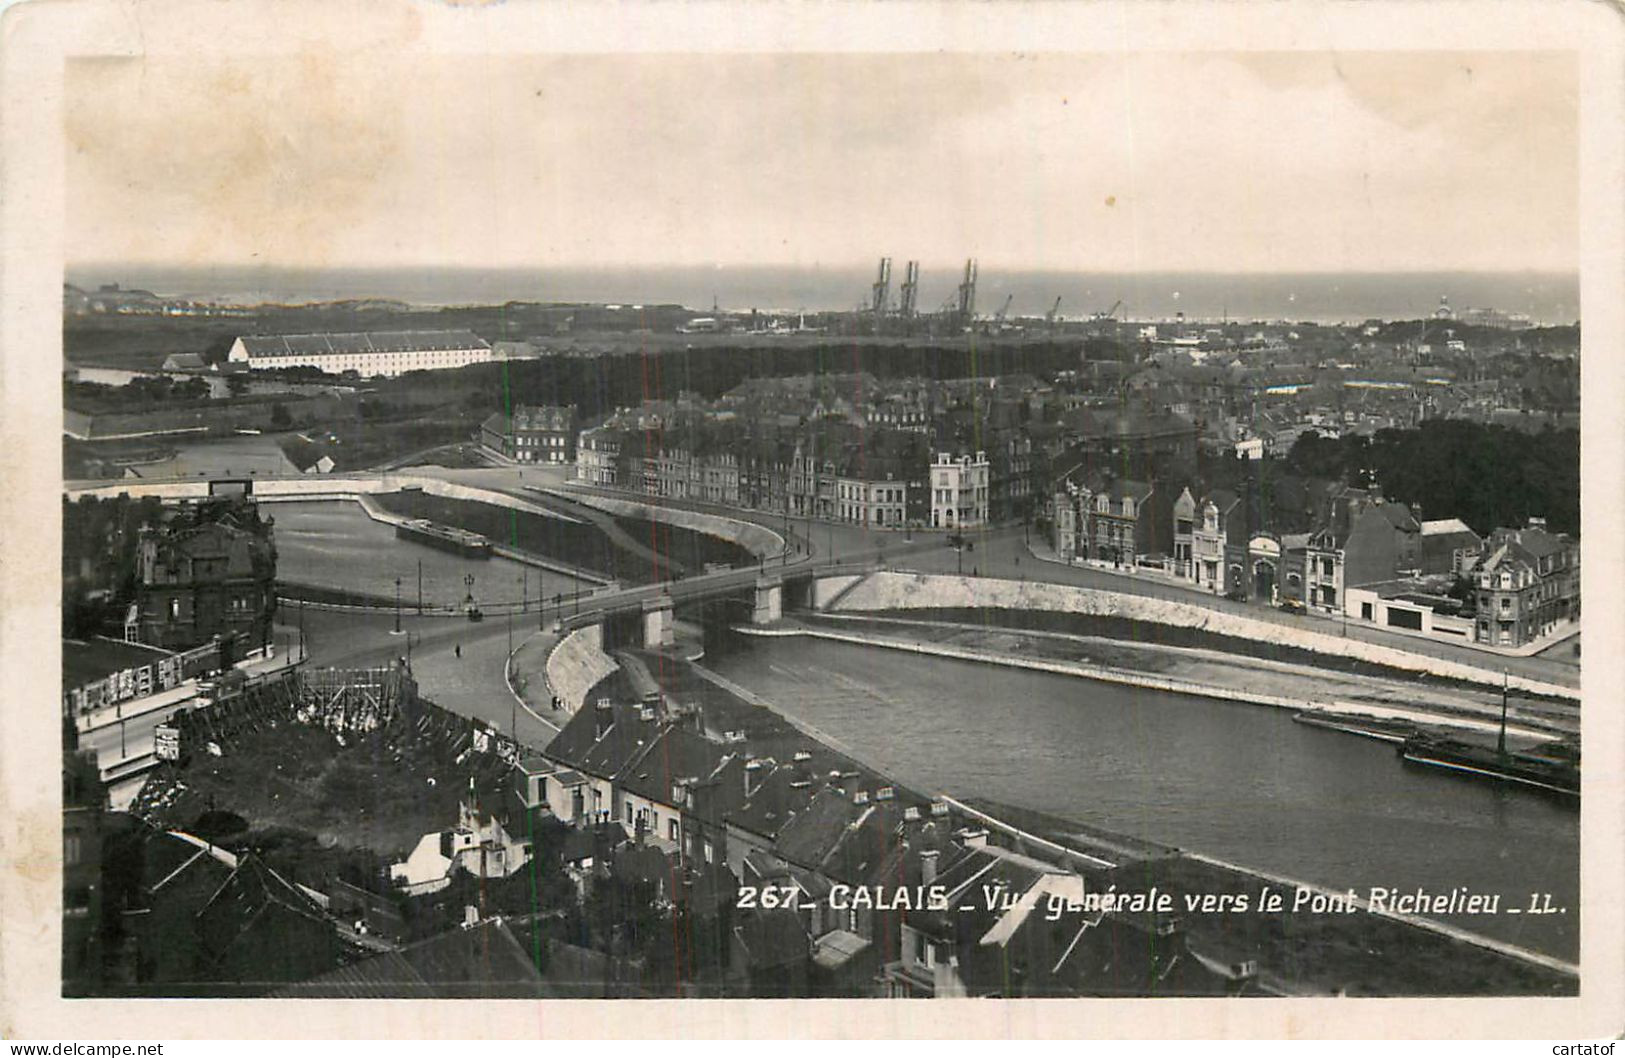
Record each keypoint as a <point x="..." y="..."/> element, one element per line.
<point x="815" y="831"/>
<point x="771" y="805"/>
<point x="1445" y="526"/>
<point x="674" y="754"/>
<point x="1538" y="543"/>
<point x="1398" y="515"/>
<point x="360" y="342"/>
<point x="580" y="746"/>
<point x="544" y="417"/>
<point x="485" y="961"/>
<point x="773" y="938"/>
<point x="85" y="661"/>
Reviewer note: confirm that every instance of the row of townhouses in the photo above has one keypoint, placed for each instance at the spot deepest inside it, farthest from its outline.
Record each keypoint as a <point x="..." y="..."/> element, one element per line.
<point x="882" y="478"/>
<point x="1364" y="558"/>
<point x="731" y="804"/>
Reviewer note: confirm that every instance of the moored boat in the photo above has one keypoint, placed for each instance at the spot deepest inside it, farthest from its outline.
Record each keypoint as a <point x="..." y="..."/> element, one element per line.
<point x="445" y="537"/>
<point x="1554" y="771"/>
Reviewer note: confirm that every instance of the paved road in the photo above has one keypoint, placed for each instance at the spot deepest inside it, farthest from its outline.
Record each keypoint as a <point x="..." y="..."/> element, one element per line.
<point x="127" y="739"/>
<point x="459" y="664"/>
<point x="1003" y="553"/>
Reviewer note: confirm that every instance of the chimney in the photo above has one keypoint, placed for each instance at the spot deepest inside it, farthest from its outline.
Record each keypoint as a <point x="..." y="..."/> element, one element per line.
<point x="471" y="916"/>
<point x="753" y="777"/>
<point x="603" y="718"/>
<point x="973" y="839"/>
<point x="928" y="866"/>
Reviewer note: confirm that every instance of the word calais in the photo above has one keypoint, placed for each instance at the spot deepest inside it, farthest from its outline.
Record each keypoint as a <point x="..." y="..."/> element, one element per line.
<point x="854" y="897"/>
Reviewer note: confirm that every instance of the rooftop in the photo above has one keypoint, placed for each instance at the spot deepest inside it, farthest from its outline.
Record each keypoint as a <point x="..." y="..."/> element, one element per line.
<point x="360" y="342"/>
<point x="485" y="961"/>
<point x="86" y="661"/>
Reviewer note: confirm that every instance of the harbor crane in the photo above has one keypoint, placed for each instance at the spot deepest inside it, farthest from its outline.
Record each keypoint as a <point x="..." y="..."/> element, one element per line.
<point x="882" y="287"/>
<point x="1109" y="313"/>
<point x="967" y="294"/>
<point x="998" y="317"/>
<point x="1049" y="317"/>
<point x="910" y="291"/>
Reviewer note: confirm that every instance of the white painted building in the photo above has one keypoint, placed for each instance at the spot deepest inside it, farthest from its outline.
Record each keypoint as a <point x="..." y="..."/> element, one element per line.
<point x="370" y="354"/>
<point x="959" y="491"/>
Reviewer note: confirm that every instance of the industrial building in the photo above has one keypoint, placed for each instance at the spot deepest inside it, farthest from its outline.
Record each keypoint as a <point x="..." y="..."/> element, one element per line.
<point x="370" y="354"/>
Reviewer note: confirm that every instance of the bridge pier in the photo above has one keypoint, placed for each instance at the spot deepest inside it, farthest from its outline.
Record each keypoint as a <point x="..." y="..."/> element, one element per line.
<point x="657" y="622"/>
<point x="769" y="602"/>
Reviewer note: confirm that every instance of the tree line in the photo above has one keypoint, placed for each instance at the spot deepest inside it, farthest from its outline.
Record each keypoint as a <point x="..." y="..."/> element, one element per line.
<point x="1488" y="476"/>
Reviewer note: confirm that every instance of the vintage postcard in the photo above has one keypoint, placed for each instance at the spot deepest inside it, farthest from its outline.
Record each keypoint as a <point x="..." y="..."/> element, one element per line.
<point x="552" y="507"/>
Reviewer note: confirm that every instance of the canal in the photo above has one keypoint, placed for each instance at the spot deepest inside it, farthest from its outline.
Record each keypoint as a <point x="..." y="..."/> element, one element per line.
<point x="1239" y="782"/>
<point x="333" y="544"/>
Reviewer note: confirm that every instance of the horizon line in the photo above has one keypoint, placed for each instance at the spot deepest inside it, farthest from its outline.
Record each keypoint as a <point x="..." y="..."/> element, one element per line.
<point x="868" y="263"/>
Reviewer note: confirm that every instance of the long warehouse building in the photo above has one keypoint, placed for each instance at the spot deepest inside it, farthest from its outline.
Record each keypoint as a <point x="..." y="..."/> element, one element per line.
<point x="370" y="354"/>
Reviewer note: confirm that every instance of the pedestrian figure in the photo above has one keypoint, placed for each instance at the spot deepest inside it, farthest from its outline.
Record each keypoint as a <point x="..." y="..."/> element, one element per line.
<point x="459" y="649"/>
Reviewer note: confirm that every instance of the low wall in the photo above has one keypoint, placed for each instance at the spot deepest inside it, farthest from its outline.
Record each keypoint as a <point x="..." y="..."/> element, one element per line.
<point x="577" y="664"/>
<point x="914" y="591"/>
<point x="759" y="540"/>
<point x="324" y="486"/>
<point x="825" y="589"/>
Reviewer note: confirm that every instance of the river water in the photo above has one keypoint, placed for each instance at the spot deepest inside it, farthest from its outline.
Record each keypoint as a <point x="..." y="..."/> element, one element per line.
<point x="1243" y="783"/>
<point x="332" y="543"/>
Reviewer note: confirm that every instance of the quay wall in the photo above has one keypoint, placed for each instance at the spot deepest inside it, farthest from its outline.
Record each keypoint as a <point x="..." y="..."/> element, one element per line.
<point x="912" y="591"/>
<point x="577" y="664"/>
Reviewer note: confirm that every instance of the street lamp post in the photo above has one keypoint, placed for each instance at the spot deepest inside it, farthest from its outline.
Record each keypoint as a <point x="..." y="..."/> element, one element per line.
<point x="397" y="606"/>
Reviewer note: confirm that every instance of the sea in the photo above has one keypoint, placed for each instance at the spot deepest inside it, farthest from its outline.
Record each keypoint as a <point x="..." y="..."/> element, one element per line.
<point x="1546" y="298"/>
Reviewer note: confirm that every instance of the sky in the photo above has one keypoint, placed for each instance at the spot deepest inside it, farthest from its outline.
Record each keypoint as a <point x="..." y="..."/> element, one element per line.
<point x="1226" y="162"/>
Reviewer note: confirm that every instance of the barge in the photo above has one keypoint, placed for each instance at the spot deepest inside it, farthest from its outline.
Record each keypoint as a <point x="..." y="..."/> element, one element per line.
<point x="1555" y="769"/>
<point x="444" y="537"/>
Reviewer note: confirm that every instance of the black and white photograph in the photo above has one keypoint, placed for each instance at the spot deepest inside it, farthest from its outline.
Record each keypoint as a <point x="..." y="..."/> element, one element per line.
<point x="787" y="522"/>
